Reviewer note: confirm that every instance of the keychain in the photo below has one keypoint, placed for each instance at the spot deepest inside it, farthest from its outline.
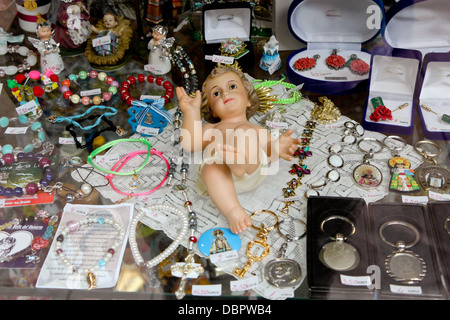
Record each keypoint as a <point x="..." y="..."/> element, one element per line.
<point x="403" y="265"/>
<point x="367" y="175"/>
<point x="402" y="176"/>
<point x="282" y="272"/>
<point x="430" y="174"/>
<point x="339" y="255"/>
<point x="257" y="249"/>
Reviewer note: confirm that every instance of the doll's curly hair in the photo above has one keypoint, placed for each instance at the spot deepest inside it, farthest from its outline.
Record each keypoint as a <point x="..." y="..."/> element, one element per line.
<point x="218" y="71"/>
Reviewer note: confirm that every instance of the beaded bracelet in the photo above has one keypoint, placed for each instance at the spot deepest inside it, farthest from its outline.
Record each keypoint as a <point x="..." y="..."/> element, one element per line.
<point x="113" y="143"/>
<point x="30" y="60"/>
<point x="178" y="55"/>
<point x="74" y="226"/>
<point x="127" y="158"/>
<point x="170" y="249"/>
<point x="35" y="143"/>
<point x="102" y="76"/>
<point x="125" y="93"/>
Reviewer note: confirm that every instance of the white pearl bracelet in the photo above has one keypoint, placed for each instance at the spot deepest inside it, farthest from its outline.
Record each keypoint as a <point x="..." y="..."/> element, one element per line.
<point x="30" y="60"/>
<point x="170" y="249"/>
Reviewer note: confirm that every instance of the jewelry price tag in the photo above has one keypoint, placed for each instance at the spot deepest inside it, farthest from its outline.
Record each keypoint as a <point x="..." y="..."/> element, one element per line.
<point x="222" y="59"/>
<point x="277" y="125"/>
<point x="27" y="107"/>
<point x="147" y="130"/>
<point x="405" y="289"/>
<point x="107" y="158"/>
<point x="63" y="140"/>
<point x="155" y="215"/>
<point x="275" y="293"/>
<point x="16" y="130"/>
<point x="223" y="256"/>
<point x="439" y="196"/>
<point x="144" y="97"/>
<point x="355" y="280"/>
<point x="416" y="200"/>
<point x="101" y="41"/>
<point x="152" y="68"/>
<point x="90" y="92"/>
<point x="207" y="290"/>
<point x="244" y="284"/>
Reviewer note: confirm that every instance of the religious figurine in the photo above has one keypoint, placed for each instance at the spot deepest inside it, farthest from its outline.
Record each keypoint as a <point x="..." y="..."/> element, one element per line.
<point x="159" y="47"/>
<point x="72" y="27"/>
<point x="109" y="41"/>
<point x="51" y="60"/>
<point x="270" y="60"/>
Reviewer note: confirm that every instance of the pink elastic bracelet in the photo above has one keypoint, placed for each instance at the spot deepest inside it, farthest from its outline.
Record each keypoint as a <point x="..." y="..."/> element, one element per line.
<point x="119" y="165"/>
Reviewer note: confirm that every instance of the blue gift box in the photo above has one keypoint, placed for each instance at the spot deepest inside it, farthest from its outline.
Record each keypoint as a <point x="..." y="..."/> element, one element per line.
<point x="415" y="32"/>
<point x="326" y="25"/>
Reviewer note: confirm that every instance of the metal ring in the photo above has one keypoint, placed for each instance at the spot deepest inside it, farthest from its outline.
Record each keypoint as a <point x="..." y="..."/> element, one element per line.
<point x="288" y="237"/>
<point x="333" y="217"/>
<point x="397" y="149"/>
<point x="267" y="211"/>
<point x="446" y="226"/>
<point x="370" y="139"/>
<point x="402" y="223"/>
<point x="424" y="153"/>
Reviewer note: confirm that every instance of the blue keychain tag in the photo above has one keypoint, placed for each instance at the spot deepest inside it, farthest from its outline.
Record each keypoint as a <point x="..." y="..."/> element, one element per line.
<point x="218" y="240"/>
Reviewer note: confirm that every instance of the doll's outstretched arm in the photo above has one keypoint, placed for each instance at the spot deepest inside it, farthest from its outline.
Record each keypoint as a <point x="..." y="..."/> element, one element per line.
<point x="192" y="128"/>
<point x="285" y="146"/>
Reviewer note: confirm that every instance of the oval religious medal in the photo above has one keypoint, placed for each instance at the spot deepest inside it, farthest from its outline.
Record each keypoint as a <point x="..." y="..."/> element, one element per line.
<point x="367" y="176"/>
<point x="405" y="266"/>
<point x="339" y="256"/>
<point x="283" y="273"/>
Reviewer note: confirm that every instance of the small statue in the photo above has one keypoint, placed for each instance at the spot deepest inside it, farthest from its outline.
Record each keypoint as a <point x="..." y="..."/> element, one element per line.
<point x="270" y="55"/>
<point x="159" y="47"/>
<point x="51" y="60"/>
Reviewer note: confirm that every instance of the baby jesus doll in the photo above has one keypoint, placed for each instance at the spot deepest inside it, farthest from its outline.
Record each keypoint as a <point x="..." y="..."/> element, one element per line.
<point x="236" y="152"/>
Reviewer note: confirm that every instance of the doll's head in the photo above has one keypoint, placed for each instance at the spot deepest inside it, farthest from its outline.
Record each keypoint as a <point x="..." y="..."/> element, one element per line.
<point x="110" y="21"/>
<point x="253" y="99"/>
<point x="159" y="32"/>
<point x="43" y="30"/>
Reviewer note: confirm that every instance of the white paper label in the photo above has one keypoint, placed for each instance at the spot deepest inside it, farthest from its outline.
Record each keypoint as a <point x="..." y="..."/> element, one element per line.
<point x="222" y="59"/>
<point x="153" y="68"/>
<point x="30" y="106"/>
<point x="439" y="196"/>
<point x="147" y="130"/>
<point x="244" y="284"/>
<point x="277" y="125"/>
<point x="275" y="293"/>
<point x="155" y="215"/>
<point x="274" y="66"/>
<point x="405" y="289"/>
<point x="223" y="256"/>
<point x="92" y="92"/>
<point x="107" y="158"/>
<point x="207" y="290"/>
<point x="149" y="97"/>
<point x="416" y="200"/>
<point x="355" y="280"/>
<point x="68" y="140"/>
<point x="79" y="210"/>
<point x="101" y="41"/>
<point x="16" y="130"/>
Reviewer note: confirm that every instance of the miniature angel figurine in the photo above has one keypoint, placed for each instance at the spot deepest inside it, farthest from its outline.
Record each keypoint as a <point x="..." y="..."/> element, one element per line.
<point x="236" y="152"/>
<point x="72" y="28"/>
<point x="159" y="48"/>
<point x="51" y="60"/>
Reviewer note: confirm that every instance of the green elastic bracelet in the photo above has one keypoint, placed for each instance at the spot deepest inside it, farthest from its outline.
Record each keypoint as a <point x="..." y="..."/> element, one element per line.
<point x="295" y="97"/>
<point x="113" y="143"/>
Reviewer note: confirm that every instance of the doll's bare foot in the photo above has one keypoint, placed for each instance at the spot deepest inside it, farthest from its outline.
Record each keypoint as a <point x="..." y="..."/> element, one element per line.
<point x="238" y="219"/>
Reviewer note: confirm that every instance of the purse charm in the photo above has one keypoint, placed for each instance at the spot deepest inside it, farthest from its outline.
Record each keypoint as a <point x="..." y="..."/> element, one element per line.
<point x="282" y="272"/>
<point x="257" y="249"/>
<point x="403" y="265"/>
<point x="338" y="255"/>
<point x="366" y="175"/>
<point x="429" y="173"/>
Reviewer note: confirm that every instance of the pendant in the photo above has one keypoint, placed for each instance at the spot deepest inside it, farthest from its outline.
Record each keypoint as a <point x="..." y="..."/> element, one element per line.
<point x="283" y="273"/>
<point x="339" y="255"/>
<point x="402" y="176"/>
<point x="218" y="240"/>
<point x="367" y="176"/>
<point x="405" y="266"/>
<point x="257" y="250"/>
<point x="432" y="176"/>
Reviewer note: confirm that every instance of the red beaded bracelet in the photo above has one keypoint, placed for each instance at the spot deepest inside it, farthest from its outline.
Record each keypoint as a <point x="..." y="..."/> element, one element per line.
<point x="125" y="93"/>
